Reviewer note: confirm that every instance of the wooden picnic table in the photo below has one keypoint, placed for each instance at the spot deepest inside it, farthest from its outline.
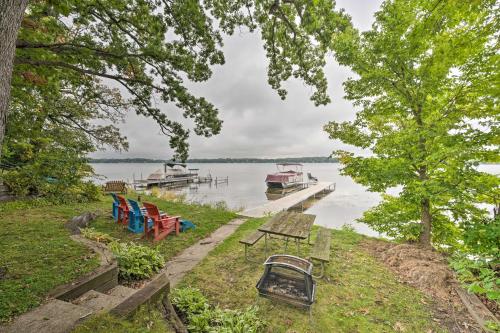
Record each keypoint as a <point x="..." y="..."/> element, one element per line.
<point x="289" y="225"/>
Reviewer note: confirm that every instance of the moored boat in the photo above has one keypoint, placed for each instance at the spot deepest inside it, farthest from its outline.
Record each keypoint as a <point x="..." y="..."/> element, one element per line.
<point x="288" y="175"/>
<point x="172" y="171"/>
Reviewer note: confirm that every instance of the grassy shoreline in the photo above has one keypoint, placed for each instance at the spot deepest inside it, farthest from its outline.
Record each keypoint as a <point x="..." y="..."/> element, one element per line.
<point x="38" y="254"/>
<point x="358" y="294"/>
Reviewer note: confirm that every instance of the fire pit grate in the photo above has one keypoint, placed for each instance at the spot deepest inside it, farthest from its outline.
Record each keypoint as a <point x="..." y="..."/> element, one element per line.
<point x="289" y="279"/>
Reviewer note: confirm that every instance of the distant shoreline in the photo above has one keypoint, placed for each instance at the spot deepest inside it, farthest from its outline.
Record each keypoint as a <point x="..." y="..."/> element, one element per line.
<point x="220" y="160"/>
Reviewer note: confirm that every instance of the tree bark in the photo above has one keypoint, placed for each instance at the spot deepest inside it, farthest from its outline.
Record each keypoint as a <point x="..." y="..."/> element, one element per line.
<point x="425" y="205"/>
<point x="11" y="15"/>
<point x="426" y="221"/>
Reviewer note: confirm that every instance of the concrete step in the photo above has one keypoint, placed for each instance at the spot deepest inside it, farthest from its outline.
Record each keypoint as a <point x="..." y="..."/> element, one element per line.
<point x="121" y="291"/>
<point x="96" y="301"/>
<point x="54" y="316"/>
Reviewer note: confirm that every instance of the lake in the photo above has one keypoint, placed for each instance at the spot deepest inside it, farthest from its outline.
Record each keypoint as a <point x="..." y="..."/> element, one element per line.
<point x="246" y="188"/>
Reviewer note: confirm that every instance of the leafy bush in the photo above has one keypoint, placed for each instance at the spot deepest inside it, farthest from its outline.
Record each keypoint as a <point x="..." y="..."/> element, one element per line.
<point x="205" y="319"/>
<point x="135" y="261"/>
<point x="50" y="133"/>
<point x="478" y="276"/>
<point x="236" y="321"/>
<point x="189" y="300"/>
<point x="55" y="186"/>
<point x="97" y="236"/>
<point x="482" y="238"/>
<point x="201" y="322"/>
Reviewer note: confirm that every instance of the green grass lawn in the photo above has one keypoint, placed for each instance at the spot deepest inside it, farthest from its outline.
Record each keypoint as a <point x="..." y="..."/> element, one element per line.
<point x="39" y="255"/>
<point x="357" y="294"/>
<point x="206" y="218"/>
<point x="146" y="319"/>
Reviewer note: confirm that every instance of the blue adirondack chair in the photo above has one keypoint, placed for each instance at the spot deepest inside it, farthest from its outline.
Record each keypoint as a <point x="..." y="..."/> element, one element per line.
<point x="136" y="217"/>
<point x="186" y="225"/>
<point x="116" y="203"/>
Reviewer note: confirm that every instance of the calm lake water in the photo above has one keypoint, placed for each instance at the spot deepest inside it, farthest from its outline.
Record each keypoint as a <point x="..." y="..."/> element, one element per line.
<point x="246" y="188"/>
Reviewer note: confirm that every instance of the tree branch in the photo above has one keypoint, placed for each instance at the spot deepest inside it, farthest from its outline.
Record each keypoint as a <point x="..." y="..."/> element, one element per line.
<point x="86" y="71"/>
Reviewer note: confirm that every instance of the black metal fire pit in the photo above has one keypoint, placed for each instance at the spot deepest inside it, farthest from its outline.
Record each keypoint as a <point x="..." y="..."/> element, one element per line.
<point x="289" y="279"/>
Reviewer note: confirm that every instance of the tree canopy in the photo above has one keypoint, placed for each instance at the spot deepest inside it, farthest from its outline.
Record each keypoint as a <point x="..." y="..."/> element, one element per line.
<point x="427" y="84"/>
<point x="50" y="132"/>
<point x="149" y="48"/>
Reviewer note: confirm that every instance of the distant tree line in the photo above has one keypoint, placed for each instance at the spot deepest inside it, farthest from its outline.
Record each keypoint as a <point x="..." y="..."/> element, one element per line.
<point x="318" y="159"/>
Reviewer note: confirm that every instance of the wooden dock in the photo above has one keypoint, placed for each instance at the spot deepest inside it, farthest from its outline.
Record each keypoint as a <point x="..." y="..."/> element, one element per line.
<point x="273" y="207"/>
<point x="172" y="182"/>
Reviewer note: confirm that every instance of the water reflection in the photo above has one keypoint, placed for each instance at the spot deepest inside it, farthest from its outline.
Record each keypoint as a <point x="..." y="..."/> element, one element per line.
<point x="278" y="193"/>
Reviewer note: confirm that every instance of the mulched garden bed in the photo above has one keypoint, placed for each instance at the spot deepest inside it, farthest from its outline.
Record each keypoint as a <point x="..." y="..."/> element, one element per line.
<point x="428" y="271"/>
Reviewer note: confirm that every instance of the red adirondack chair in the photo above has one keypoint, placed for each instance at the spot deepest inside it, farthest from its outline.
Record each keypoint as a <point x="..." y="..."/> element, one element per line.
<point x="162" y="223"/>
<point x="123" y="210"/>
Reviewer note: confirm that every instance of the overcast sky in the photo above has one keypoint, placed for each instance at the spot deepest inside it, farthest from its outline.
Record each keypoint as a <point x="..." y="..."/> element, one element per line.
<point x="257" y="123"/>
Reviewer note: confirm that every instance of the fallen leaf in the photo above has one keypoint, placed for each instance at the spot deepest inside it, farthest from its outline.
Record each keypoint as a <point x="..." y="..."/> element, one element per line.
<point x="398" y="327"/>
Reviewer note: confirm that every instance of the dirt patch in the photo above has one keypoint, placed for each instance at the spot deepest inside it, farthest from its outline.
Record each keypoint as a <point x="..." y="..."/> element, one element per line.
<point x="425" y="269"/>
<point x="428" y="271"/>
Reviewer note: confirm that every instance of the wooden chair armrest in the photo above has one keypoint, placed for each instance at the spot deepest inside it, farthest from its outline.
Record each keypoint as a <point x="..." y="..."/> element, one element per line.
<point x="165" y="214"/>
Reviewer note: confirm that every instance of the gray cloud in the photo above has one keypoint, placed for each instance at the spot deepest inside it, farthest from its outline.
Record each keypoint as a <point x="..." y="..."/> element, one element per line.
<point x="257" y="123"/>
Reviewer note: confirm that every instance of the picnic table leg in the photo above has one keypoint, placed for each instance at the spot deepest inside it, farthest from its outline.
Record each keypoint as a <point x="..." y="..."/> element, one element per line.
<point x="322" y="273"/>
<point x="286" y="244"/>
<point x="265" y="244"/>
<point x="298" y="249"/>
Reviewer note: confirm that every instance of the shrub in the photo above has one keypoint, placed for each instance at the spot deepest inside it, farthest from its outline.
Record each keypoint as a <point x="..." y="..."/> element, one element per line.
<point x="236" y="321"/>
<point x="201" y="318"/>
<point x="189" y="300"/>
<point x="478" y="276"/>
<point x="135" y="261"/>
<point x="201" y="322"/>
<point x="57" y="187"/>
<point x="482" y="238"/>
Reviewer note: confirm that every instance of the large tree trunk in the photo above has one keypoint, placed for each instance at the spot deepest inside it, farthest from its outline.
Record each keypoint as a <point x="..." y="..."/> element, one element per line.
<point x="426" y="221"/>
<point x="11" y="14"/>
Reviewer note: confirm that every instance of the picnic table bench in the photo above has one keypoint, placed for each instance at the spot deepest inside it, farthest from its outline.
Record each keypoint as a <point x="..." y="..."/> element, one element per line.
<point x="289" y="225"/>
<point x="321" y="248"/>
<point x="115" y="186"/>
<point x="250" y="240"/>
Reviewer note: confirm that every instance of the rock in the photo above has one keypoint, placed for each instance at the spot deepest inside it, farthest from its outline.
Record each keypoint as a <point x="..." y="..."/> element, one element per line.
<point x="81" y="221"/>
